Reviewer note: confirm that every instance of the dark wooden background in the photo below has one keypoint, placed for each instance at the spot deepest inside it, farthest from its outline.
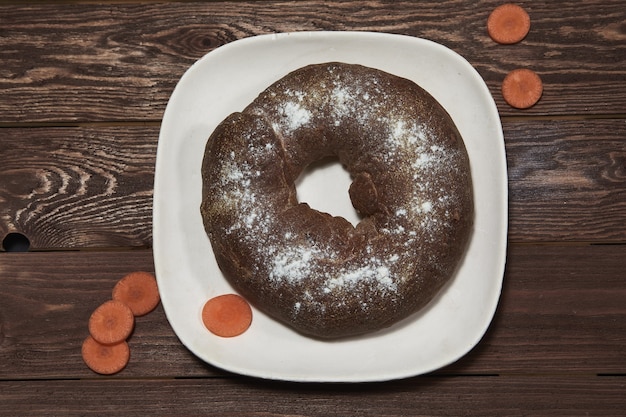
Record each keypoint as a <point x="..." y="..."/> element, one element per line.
<point x="83" y="86"/>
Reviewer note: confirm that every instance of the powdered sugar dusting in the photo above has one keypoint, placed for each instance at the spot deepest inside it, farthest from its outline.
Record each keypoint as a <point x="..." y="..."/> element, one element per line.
<point x="295" y="115"/>
<point x="409" y="145"/>
<point x="239" y="196"/>
<point x="293" y="264"/>
<point x="374" y="272"/>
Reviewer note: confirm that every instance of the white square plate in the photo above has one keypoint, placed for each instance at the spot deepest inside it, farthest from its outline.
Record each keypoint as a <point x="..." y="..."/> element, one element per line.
<point x="228" y="79"/>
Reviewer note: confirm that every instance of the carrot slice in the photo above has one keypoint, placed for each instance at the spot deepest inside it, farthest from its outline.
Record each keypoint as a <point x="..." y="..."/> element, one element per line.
<point x="139" y="291"/>
<point x="111" y="323"/>
<point x="508" y="24"/>
<point x="105" y="359"/>
<point x="227" y="315"/>
<point x="522" y="88"/>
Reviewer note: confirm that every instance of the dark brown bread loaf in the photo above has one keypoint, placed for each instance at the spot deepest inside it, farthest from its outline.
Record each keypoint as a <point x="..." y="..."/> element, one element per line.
<point x="411" y="183"/>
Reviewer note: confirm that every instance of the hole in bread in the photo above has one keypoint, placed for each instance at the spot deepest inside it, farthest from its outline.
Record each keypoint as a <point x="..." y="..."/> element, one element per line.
<point x="324" y="186"/>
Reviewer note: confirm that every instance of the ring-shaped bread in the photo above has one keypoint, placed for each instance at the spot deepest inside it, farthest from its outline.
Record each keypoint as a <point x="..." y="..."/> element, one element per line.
<point x="411" y="184"/>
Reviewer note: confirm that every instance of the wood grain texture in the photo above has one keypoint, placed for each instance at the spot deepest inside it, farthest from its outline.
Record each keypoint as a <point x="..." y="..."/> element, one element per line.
<point x="462" y="396"/>
<point x="86" y="62"/>
<point x="79" y="187"/>
<point x="74" y="187"/>
<point x="567" y="181"/>
<point x="45" y="303"/>
<point x="83" y="88"/>
<point x="563" y="310"/>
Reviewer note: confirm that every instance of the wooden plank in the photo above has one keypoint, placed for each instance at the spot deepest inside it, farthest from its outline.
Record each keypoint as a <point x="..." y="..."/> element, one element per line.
<point x="46" y="299"/>
<point x="567" y="180"/>
<point x="74" y="187"/>
<point x="563" y="311"/>
<point x="464" y="396"/>
<point x="92" y="186"/>
<point x="89" y="62"/>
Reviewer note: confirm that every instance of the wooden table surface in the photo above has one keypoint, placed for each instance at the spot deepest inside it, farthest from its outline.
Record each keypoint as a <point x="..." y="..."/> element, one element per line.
<point x="83" y="90"/>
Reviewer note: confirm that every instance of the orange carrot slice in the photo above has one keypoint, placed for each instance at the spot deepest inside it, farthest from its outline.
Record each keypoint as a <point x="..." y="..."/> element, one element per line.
<point x="111" y="323"/>
<point x="508" y="24"/>
<point x="105" y="359"/>
<point x="522" y="88"/>
<point x="227" y="315"/>
<point x="139" y="291"/>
